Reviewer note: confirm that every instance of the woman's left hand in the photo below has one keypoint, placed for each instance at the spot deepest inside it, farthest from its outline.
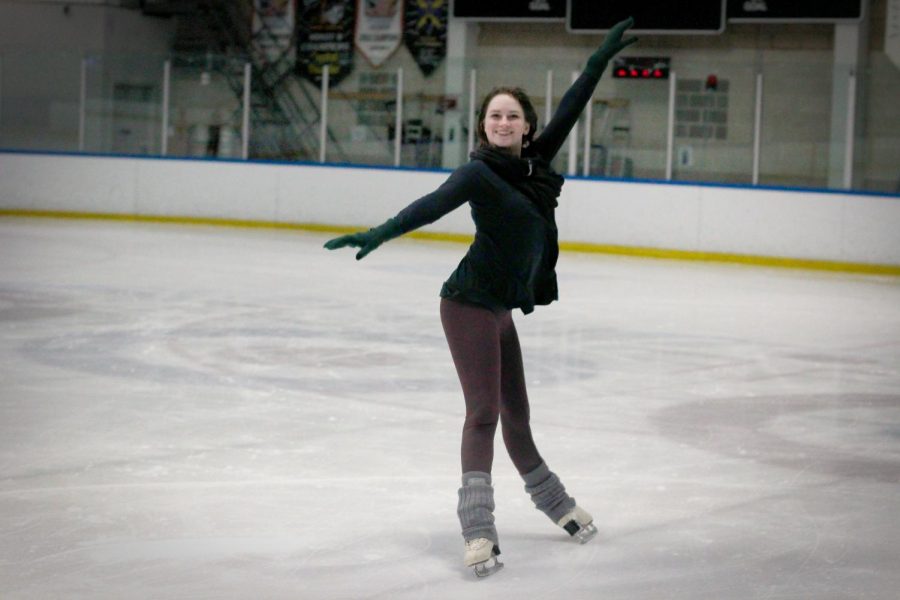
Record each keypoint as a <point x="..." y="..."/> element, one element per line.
<point x="612" y="45"/>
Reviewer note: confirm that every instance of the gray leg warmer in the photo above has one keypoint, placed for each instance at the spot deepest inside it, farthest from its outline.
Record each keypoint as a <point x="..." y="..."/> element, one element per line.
<point x="476" y="507"/>
<point x="548" y="493"/>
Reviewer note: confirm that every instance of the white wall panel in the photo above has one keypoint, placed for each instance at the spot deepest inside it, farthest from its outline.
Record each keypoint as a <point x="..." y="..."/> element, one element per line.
<point x="770" y="223"/>
<point x="871" y="228"/>
<point x="67" y="183"/>
<point x="629" y="214"/>
<point x="206" y="189"/>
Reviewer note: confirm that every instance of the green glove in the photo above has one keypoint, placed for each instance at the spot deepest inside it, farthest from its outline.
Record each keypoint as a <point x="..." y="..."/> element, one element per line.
<point x="366" y="240"/>
<point x="612" y="45"/>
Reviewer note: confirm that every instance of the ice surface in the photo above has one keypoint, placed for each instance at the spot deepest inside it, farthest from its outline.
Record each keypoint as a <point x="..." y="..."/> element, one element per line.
<point x="197" y="412"/>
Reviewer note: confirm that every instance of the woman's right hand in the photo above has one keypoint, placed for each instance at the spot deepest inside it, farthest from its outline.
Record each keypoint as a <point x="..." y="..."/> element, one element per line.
<point x="364" y="239"/>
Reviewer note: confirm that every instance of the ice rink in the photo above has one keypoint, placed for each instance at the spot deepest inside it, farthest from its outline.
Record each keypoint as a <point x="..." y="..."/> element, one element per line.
<point x="200" y="412"/>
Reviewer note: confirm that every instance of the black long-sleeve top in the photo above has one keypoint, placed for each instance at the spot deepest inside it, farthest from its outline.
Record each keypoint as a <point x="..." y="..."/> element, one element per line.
<point x="511" y="264"/>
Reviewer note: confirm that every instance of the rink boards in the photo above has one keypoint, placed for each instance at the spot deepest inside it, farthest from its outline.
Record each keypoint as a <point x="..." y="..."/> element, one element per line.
<point x="806" y="228"/>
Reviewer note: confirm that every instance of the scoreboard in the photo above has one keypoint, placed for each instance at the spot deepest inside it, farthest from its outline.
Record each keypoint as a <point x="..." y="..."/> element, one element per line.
<point x="803" y="11"/>
<point x="654" y="17"/>
<point x="510" y="10"/>
<point x="696" y="16"/>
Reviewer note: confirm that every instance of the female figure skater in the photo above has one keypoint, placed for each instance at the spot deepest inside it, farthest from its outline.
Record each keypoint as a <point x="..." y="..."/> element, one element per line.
<point x="512" y="191"/>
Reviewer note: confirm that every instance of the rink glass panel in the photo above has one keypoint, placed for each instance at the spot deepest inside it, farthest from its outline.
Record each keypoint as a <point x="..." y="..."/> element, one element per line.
<point x="112" y="104"/>
<point x="877" y="164"/>
<point x="205" y="106"/>
<point x="39" y="100"/>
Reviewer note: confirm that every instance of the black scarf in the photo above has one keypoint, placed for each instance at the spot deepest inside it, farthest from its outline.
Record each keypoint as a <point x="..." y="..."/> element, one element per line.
<point x="533" y="176"/>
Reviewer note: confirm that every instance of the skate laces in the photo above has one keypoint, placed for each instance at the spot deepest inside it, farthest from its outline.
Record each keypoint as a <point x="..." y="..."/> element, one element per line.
<point x="477" y="543"/>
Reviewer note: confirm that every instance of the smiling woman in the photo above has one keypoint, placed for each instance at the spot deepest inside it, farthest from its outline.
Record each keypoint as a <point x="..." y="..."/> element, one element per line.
<point x="512" y="190"/>
<point x="508" y="120"/>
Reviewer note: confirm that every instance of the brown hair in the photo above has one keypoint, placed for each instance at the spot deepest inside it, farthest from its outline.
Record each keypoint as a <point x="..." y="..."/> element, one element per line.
<point x="523" y="99"/>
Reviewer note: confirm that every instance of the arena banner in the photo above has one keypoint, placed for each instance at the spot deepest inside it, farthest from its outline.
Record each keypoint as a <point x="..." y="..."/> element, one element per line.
<point x="273" y="26"/>
<point x="379" y="29"/>
<point x="425" y="32"/>
<point x="325" y="37"/>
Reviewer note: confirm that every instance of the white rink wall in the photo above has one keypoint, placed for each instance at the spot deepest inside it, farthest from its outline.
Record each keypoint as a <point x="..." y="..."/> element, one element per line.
<point x="805" y="225"/>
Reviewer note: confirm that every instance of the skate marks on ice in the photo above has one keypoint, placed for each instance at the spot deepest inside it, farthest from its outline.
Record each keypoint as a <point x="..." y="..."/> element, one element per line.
<point x="244" y="344"/>
<point x="224" y="539"/>
<point x="541" y="560"/>
<point x="215" y="539"/>
<point x="839" y="435"/>
<point x="241" y="343"/>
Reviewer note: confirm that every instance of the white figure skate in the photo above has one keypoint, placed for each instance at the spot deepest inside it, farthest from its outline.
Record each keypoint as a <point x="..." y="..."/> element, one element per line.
<point x="579" y="524"/>
<point x="481" y="555"/>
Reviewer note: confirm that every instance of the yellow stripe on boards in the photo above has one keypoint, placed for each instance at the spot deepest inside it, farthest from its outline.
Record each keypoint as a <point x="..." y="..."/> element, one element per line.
<point x="175" y="220"/>
<point x="764" y="261"/>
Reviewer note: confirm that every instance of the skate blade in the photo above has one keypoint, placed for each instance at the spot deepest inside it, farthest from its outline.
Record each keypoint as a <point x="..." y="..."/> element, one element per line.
<point x="586" y="533"/>
<point x="488" y="567"/>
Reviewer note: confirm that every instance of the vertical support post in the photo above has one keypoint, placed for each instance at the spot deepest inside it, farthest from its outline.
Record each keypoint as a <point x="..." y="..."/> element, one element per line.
<point x="548" y="111"/>
<point x="245" y="123"/>
<point x="851" y="133"/>
<point x="167" y="76"/>
<point x="670" y="137"/>
<point x="473" y="79"/>
<point x="573" y="141"/>
<point x="757" y="127"/>
<point x="850" y="58"/>
<point x="82" y="105"/>
<point x="323" y="116"/>
<point x="462" y="45"/>
<point x="588" y="131"/>
<point x="398" y="121"/>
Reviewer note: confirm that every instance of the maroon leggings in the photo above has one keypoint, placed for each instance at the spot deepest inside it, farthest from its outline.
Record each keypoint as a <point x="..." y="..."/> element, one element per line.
<point x="488" y="359"/>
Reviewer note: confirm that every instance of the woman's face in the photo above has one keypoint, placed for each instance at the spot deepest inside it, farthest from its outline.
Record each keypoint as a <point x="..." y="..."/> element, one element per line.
<point x="505" y="124"/>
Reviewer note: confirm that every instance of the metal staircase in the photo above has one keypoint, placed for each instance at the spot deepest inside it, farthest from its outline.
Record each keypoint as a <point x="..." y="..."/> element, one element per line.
<point x="285" y="115"/>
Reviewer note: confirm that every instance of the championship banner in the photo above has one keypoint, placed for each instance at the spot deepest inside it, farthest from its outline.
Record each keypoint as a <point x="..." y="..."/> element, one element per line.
<point x="273" y="26"/>
<point x="425" y="32"/>
<point x="379" y="29"/>
<point x="325" y="37"/>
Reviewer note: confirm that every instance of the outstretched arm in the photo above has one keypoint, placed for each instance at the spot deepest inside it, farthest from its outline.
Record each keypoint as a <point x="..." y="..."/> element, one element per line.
<point x="453" y="193"/>
<point x="579" y="94"/>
